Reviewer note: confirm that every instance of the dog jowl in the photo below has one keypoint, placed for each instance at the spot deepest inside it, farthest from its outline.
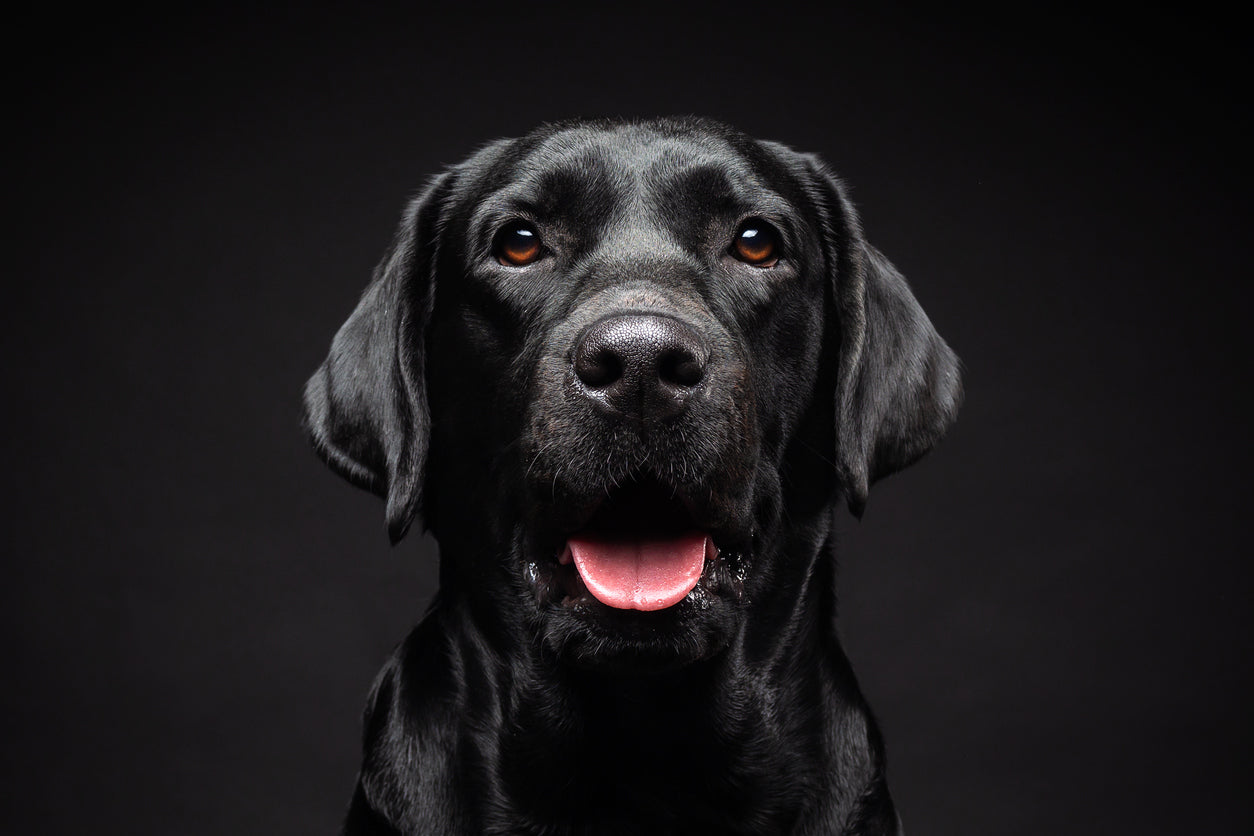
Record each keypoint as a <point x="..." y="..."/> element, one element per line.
<point x="625" y="373"/>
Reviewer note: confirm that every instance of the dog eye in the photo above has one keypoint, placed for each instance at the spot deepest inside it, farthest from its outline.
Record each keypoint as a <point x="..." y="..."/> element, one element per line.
<point x="756" y="243"/>
<point x="517" y="244"/>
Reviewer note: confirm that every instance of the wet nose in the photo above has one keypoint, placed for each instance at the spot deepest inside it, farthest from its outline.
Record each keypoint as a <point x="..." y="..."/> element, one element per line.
<point x="644" y="366"/>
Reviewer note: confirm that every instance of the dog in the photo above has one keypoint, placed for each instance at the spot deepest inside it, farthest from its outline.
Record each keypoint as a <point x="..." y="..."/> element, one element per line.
<point x="626" y="372"/>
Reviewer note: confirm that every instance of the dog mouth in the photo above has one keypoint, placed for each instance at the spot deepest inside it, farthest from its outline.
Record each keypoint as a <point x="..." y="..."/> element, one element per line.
<point x="642" y="548"/>
<point x="640" y="572"/>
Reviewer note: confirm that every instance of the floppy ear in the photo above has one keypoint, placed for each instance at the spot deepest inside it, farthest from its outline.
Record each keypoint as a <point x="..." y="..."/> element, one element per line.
<point x="898" y="385"/>
<point x="366" y="405"/>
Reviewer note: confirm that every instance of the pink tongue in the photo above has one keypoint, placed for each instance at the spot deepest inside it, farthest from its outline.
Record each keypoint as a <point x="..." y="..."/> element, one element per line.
<point x="640" y="574"/>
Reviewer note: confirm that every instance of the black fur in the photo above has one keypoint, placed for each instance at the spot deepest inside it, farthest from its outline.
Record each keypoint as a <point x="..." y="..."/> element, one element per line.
<point x="519" y="706"/>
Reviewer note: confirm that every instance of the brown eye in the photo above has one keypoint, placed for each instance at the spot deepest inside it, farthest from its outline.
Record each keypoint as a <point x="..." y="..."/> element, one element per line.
<point x="517" y="244"/>
<point x="756" y="243"/>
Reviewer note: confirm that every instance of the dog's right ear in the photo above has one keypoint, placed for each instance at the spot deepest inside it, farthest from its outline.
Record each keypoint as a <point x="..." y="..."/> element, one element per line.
<point x="366" y="405"/>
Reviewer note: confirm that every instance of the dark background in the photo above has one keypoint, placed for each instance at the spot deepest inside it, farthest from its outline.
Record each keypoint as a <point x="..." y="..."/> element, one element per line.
<point x="1050" y="613"/>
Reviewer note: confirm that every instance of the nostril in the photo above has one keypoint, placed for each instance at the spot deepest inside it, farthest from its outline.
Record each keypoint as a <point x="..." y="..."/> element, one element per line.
<point x="640" y="365"/>
<point x="597" y="366"/>
<point x="681" y="367"/>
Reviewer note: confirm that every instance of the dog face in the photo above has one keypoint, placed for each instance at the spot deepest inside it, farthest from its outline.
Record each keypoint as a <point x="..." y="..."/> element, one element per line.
<point x="625" y="370"/>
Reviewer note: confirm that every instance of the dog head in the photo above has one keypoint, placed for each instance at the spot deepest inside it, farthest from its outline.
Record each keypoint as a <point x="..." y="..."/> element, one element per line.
<point x="624" y="370"/>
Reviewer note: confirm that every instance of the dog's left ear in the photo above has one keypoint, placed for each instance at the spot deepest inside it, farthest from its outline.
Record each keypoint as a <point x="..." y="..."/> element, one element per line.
<point x="898" y="384"/>
<point x="366" y="405"/>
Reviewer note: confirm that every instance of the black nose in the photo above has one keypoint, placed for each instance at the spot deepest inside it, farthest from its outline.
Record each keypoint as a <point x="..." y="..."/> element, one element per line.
<point x="641" y="365"/>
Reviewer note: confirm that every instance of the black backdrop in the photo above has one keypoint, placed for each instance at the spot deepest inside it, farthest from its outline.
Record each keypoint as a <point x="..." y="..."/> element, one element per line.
<point x="1049" y="613"/>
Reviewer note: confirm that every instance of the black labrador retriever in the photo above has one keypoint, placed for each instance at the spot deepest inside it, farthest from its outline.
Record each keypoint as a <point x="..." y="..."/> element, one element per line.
<point x="626" y="371"/>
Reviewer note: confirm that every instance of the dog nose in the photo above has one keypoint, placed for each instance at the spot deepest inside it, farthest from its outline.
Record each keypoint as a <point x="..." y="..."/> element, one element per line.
<point x="641" y="365"/>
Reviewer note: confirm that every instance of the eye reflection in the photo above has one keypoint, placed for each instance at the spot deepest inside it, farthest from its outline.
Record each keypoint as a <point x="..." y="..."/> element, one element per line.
<point x="756" y="243"/>
<point x="517" y="244"/>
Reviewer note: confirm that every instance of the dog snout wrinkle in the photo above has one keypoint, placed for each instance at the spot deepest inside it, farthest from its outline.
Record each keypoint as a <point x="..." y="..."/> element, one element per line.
<point x="642" y="366"/>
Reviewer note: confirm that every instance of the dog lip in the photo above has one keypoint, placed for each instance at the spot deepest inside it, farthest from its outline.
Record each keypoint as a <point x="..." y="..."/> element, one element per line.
<point x="641" y="506"/>
<point x="623" y="503"/>
<point x="642" y="509"/>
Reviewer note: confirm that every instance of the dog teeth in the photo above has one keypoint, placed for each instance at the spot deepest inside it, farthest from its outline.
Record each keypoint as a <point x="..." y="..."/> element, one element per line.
<point x="565" y="558"/>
